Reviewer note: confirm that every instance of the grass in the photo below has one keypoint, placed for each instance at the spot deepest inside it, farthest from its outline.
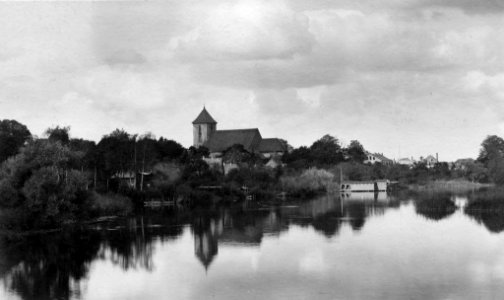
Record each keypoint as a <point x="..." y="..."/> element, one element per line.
<point x="309" y="182"/>
<point x="457" y="186"/>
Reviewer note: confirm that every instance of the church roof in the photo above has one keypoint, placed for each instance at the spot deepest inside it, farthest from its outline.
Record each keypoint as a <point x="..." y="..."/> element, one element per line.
<point x="204" y="118"/>
<point x="221" y="140"/>
<point x="272" y="145"/>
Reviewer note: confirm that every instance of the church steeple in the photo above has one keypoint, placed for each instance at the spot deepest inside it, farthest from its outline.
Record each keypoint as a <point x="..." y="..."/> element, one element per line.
<point x="204" y="118"/>
<point x="203" y="127"/>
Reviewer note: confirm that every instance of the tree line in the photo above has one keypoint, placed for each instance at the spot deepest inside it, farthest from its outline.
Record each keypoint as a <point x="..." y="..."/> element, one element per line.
<point x="56" y="179"/>
<point x="45" y="182"/>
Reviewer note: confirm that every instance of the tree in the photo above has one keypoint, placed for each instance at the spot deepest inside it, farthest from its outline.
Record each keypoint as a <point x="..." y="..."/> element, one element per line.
<point x="491" y="148"/>
<point x="194" y="163"/>
<point x="57" y="133"/>
<point x="492" y="157"/>
<point x="356" y="152"/>
<point x="169" y="149"/>
<point x="41" y="184"/>
<point x="288" y="147"/>
<point x="13" y="135"/>
<point x="326" y="151"/>
<point x="86" y="150"/>
<point x="116" y="153"/>
<point x="237" y="154"/>
<point x="147" y="156"/>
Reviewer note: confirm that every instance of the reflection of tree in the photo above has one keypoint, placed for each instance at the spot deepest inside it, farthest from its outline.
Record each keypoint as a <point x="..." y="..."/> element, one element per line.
<point x="50" y="266"/>
<point x="328" y="223"/>
<point x="46" y="265"/>
<point x="434" y="206"/>
<point x="357" y="213"/>
<point x="487" y="207"/>
<point x="131" y="246"/>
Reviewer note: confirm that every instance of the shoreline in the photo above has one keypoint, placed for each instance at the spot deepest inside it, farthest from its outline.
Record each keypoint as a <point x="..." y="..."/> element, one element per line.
<point x="448" y="186"/>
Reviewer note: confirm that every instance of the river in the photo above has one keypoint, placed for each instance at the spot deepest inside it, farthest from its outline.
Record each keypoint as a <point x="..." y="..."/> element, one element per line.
<point x="423" y="246"/>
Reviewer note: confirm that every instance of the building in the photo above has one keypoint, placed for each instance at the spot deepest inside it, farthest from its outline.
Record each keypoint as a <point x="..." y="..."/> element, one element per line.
<point x="430" y="161"/>
<point x="205" y="134"/>
<point x="410" y="162"/>
<point x="463" y="164"/>
<point x="373" y="158"/>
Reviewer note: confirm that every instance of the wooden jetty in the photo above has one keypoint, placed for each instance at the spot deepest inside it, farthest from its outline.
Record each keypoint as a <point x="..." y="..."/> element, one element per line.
<point x="365" y="186"/>
<point x="156" y="204"/>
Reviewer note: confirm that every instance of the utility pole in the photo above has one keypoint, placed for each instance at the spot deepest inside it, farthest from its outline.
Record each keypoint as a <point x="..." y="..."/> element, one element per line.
<point x="143" y="170"/>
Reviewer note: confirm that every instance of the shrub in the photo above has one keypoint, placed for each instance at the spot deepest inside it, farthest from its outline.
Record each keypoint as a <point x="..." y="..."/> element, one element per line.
<point x="309" y="182"/>
<point x="110" y="204"/>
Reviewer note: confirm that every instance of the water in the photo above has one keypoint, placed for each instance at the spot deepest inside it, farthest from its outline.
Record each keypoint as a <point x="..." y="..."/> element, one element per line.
<point x="365" y="247"/>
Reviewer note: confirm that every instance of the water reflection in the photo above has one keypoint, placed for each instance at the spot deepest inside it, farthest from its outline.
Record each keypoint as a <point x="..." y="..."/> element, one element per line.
<point x="51" y="266"/>
<point x="435" y="206"/>
<point x="48" y="266"/>
<point x="246" y="225"/>
<point x="487" y="208"/>
<point x="206" y="233"/>
<point x="57" y="265"/>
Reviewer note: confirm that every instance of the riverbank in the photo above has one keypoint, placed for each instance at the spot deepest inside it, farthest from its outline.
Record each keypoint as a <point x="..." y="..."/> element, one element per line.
<point x="455" y="186"/>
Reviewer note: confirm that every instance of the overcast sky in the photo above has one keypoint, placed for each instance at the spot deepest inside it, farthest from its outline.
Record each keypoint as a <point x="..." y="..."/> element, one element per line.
<point x="404" y="77"/>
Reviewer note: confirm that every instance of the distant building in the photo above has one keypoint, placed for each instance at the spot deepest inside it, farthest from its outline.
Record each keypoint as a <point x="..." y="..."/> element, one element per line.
<point x="430" y="161"/>
<point x="406" y="162"/>
<point x="373" y="158"/>
<point x="205" y="134"/>
<point x="272" y="147"/>
<point x="463" y="164"/>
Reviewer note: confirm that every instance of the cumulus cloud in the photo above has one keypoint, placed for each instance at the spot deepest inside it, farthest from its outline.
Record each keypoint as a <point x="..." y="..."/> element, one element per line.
<point x="468" y="6"/>
<point x="247" y="30"/>
<point x="386" y="73"/>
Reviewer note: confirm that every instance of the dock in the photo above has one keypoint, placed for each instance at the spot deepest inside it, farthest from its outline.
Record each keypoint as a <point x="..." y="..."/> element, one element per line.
<point x="365" y="186"/>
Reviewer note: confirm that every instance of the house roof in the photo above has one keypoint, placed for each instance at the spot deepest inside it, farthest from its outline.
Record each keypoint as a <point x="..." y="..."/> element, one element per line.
<point x="272" y="145"/>
<point x="405" y="161"/>
<point x="364" y="182"/>
<point x="221" y="140"/>
<point x="378" y="156"/>
<point x="381" y="157"/>
<point x="204" y="118"/>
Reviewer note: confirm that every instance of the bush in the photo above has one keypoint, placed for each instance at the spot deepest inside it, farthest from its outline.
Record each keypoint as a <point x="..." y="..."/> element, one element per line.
<point x="309" y="182"/>
<point x="110" y="204"/>
<point x="253" y="178"/>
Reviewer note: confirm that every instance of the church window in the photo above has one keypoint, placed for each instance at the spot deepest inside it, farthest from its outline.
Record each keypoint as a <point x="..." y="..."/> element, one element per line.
<point x="199" y="132"/>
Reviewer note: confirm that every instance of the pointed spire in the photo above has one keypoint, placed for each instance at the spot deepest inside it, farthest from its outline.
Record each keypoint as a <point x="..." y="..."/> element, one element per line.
<point x="204" y="118"/>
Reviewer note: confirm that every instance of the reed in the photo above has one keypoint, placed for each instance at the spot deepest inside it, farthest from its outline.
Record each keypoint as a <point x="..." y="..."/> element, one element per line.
<point x="309" y="181"/>
<point x="456" y="186"/>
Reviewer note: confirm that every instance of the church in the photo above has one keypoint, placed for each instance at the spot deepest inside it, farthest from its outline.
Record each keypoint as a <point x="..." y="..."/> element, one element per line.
<point x="205" y="134"/>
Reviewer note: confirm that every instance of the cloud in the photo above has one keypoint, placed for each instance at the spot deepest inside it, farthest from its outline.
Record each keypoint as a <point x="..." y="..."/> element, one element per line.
<point x="247" y="30"/>
<point x="125" y="57"/>
<point x="468" y="6"/>
<point x="349" y="68"/>
<point x="412" y="6"/>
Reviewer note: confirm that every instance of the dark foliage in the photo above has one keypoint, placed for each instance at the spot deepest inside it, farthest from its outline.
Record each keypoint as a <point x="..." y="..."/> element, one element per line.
<point x="13" y="135"/>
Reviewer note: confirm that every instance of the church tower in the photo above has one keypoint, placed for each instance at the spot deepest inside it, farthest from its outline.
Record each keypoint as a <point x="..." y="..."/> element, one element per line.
<point x="203" y="127"/>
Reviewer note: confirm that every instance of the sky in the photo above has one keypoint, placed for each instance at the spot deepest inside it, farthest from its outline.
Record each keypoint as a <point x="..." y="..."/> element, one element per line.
<point x="403" y="77"/>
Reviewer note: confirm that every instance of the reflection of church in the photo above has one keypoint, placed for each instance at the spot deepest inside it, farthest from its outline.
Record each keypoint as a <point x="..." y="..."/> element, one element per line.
<point x="234" y="229"/>
<point x="247" y="226"/>
<point x="206" y="232"/>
